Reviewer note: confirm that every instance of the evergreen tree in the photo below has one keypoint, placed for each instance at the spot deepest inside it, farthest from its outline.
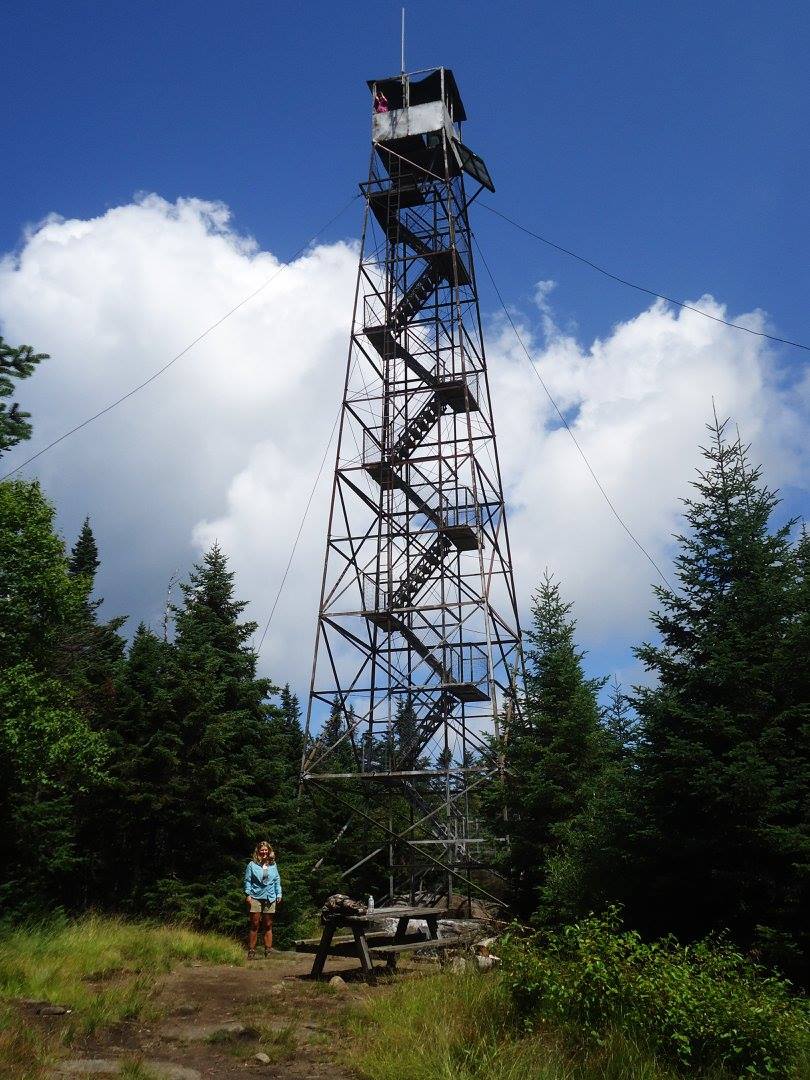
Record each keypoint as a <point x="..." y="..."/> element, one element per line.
<point x="223" y="708"/>
<point x="15" y="363"/>
<point x="406" y="736"/>
<point x="235" y="771"/>
<point x="553" y="749"/>
<point x="595" y="859"/>
<point x="334" y="824"/>
<point x="290" y="710"/>
<point x="95" y="648"/>
<point x="784" y="934"/>
<point x="49" y="753"/>
<point x="619" y="720"/>
<point x="331" y="814"/>
<point x="146" y="805"/>
<point x="337" y="732"/>
<point x="589" y="868"/>
<point x="722" y="761"/>
<point x="84" y="553"/>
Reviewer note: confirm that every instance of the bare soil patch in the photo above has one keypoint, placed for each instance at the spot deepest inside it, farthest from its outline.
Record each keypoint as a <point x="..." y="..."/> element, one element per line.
<point x="213" y="1020"/>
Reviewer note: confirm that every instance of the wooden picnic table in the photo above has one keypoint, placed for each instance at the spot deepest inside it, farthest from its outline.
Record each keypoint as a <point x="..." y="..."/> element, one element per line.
<point x="366" y="943"/>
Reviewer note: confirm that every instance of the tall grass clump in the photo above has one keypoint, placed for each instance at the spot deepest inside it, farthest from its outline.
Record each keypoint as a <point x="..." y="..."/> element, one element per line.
<point x="103" y="969"/>
<point x="701" y="1009"/>
<point x="465" y="1027"/>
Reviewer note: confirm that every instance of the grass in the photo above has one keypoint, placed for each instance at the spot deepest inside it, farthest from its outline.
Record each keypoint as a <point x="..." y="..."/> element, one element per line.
<point x="278" y="1043"/>
<point x="450" y="1027"/>
<point x="136" y="1070"/>
<point x="102" y="969"/>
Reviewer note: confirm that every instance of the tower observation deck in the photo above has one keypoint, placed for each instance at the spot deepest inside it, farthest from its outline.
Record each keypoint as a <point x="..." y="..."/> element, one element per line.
<point x="417" y="651"/>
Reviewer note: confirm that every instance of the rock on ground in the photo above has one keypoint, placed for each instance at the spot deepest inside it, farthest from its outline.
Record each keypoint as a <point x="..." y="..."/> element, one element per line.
<point x="486" y="963"/>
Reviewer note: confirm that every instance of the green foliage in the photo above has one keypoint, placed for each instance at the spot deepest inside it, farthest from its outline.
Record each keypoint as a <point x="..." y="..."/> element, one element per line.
<point x="226" y="730"/>
<point x="51" y="758"/>
<point x="146" y="774"/>
<point x="40" y="602"/>
<point x="217" y="904"/>
<point x="723" y="764"/>
<point x="621" y="723"/>
<point x="202" y="765"/>
<point x="554" y="748"/>
<point x="84" y="553"/>
<point x="594" y="857"/>
<point x="16" y="362"/>
<point x="698" y="818"/>
<point x="145" y="778"/>
<point x="466" y="1028"/>
<point x="699" y="1007"/>
<point x="46" y="742"/>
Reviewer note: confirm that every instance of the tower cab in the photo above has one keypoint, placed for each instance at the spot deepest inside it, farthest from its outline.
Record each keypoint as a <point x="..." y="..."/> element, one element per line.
<point x="412" y="117"/>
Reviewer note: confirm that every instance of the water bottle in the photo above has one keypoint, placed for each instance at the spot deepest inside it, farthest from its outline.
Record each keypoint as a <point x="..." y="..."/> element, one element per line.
<point x="370" y="908"/>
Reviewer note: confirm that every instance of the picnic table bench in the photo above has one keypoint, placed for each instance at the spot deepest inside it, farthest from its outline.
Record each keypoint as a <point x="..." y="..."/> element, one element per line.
<point x="366" y="943"/>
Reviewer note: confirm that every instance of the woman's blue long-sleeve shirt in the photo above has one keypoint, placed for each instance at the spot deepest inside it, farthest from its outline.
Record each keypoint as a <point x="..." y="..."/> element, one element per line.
<point x="260" y="887"/>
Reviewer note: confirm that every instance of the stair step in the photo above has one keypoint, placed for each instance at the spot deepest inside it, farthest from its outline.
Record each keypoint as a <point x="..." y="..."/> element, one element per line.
<point x="428" y="727"/>
<point x="386" y="345"/>
<point x="409" y="588"/>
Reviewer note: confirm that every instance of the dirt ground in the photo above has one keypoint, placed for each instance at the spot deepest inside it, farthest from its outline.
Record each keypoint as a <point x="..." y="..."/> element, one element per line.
<point x="214" y="1020"/>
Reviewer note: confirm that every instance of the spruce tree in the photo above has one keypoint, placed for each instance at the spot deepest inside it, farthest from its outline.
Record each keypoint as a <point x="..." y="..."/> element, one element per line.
<point x="16" y="362"/>
<point x="784" y="933"/>
<point x="722" y="761"/>
<point x="96" y="648"/>
<point x="84" y="553"/>
<point x="290" y="714"/>
<point x="553" y="748"/>
<point x="331" y="813"/>
<point x="236" y="777"/>
<point x="406" y="735"/>
<point x="223" y="707"/>
<point x="146" y="806"/>
<point x="619" y="720"/>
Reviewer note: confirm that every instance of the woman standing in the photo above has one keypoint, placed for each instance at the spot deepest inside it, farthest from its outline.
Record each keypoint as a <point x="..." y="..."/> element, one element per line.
<point x="262" y="895"/>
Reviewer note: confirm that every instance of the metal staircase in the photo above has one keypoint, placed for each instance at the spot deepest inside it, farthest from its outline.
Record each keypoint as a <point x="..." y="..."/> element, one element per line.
<point x="419" y="575"/>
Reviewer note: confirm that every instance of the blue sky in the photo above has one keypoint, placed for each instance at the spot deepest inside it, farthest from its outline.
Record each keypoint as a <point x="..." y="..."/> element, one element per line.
<point x="667" y="142"/>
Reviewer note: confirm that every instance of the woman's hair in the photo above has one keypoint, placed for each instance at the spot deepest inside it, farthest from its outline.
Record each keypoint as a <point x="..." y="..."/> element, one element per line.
<point x="259" y="843"/>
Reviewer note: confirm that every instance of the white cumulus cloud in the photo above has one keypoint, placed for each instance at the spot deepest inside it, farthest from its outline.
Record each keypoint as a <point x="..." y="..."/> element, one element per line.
<point x="226" y="445"/>
<point x="637" y="403"/>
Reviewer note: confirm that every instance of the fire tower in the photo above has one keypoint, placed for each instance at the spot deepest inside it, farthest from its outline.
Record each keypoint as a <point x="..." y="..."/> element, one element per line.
<point x="418" y="646"/>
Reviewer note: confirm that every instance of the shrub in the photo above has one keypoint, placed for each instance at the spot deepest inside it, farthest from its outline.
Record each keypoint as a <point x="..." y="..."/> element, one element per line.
<point x="462" y="1027"/>
<point x="219" y="905"/>
<point x="698" y="1007"/>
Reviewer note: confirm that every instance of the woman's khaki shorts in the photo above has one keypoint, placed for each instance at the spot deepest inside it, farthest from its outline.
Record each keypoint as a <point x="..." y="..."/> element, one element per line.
<point x="264" y="907"/>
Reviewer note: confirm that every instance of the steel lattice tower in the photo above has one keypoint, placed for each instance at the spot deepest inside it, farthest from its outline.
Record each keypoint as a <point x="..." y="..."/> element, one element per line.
<point x="418" y="641"/>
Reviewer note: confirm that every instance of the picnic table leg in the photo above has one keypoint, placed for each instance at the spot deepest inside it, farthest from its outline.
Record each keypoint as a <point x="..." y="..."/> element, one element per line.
<point x="323" y="950"/>
<point x="433" y="926"/>
<point x="399" y="936"/>
<point x="363" y="954"/>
